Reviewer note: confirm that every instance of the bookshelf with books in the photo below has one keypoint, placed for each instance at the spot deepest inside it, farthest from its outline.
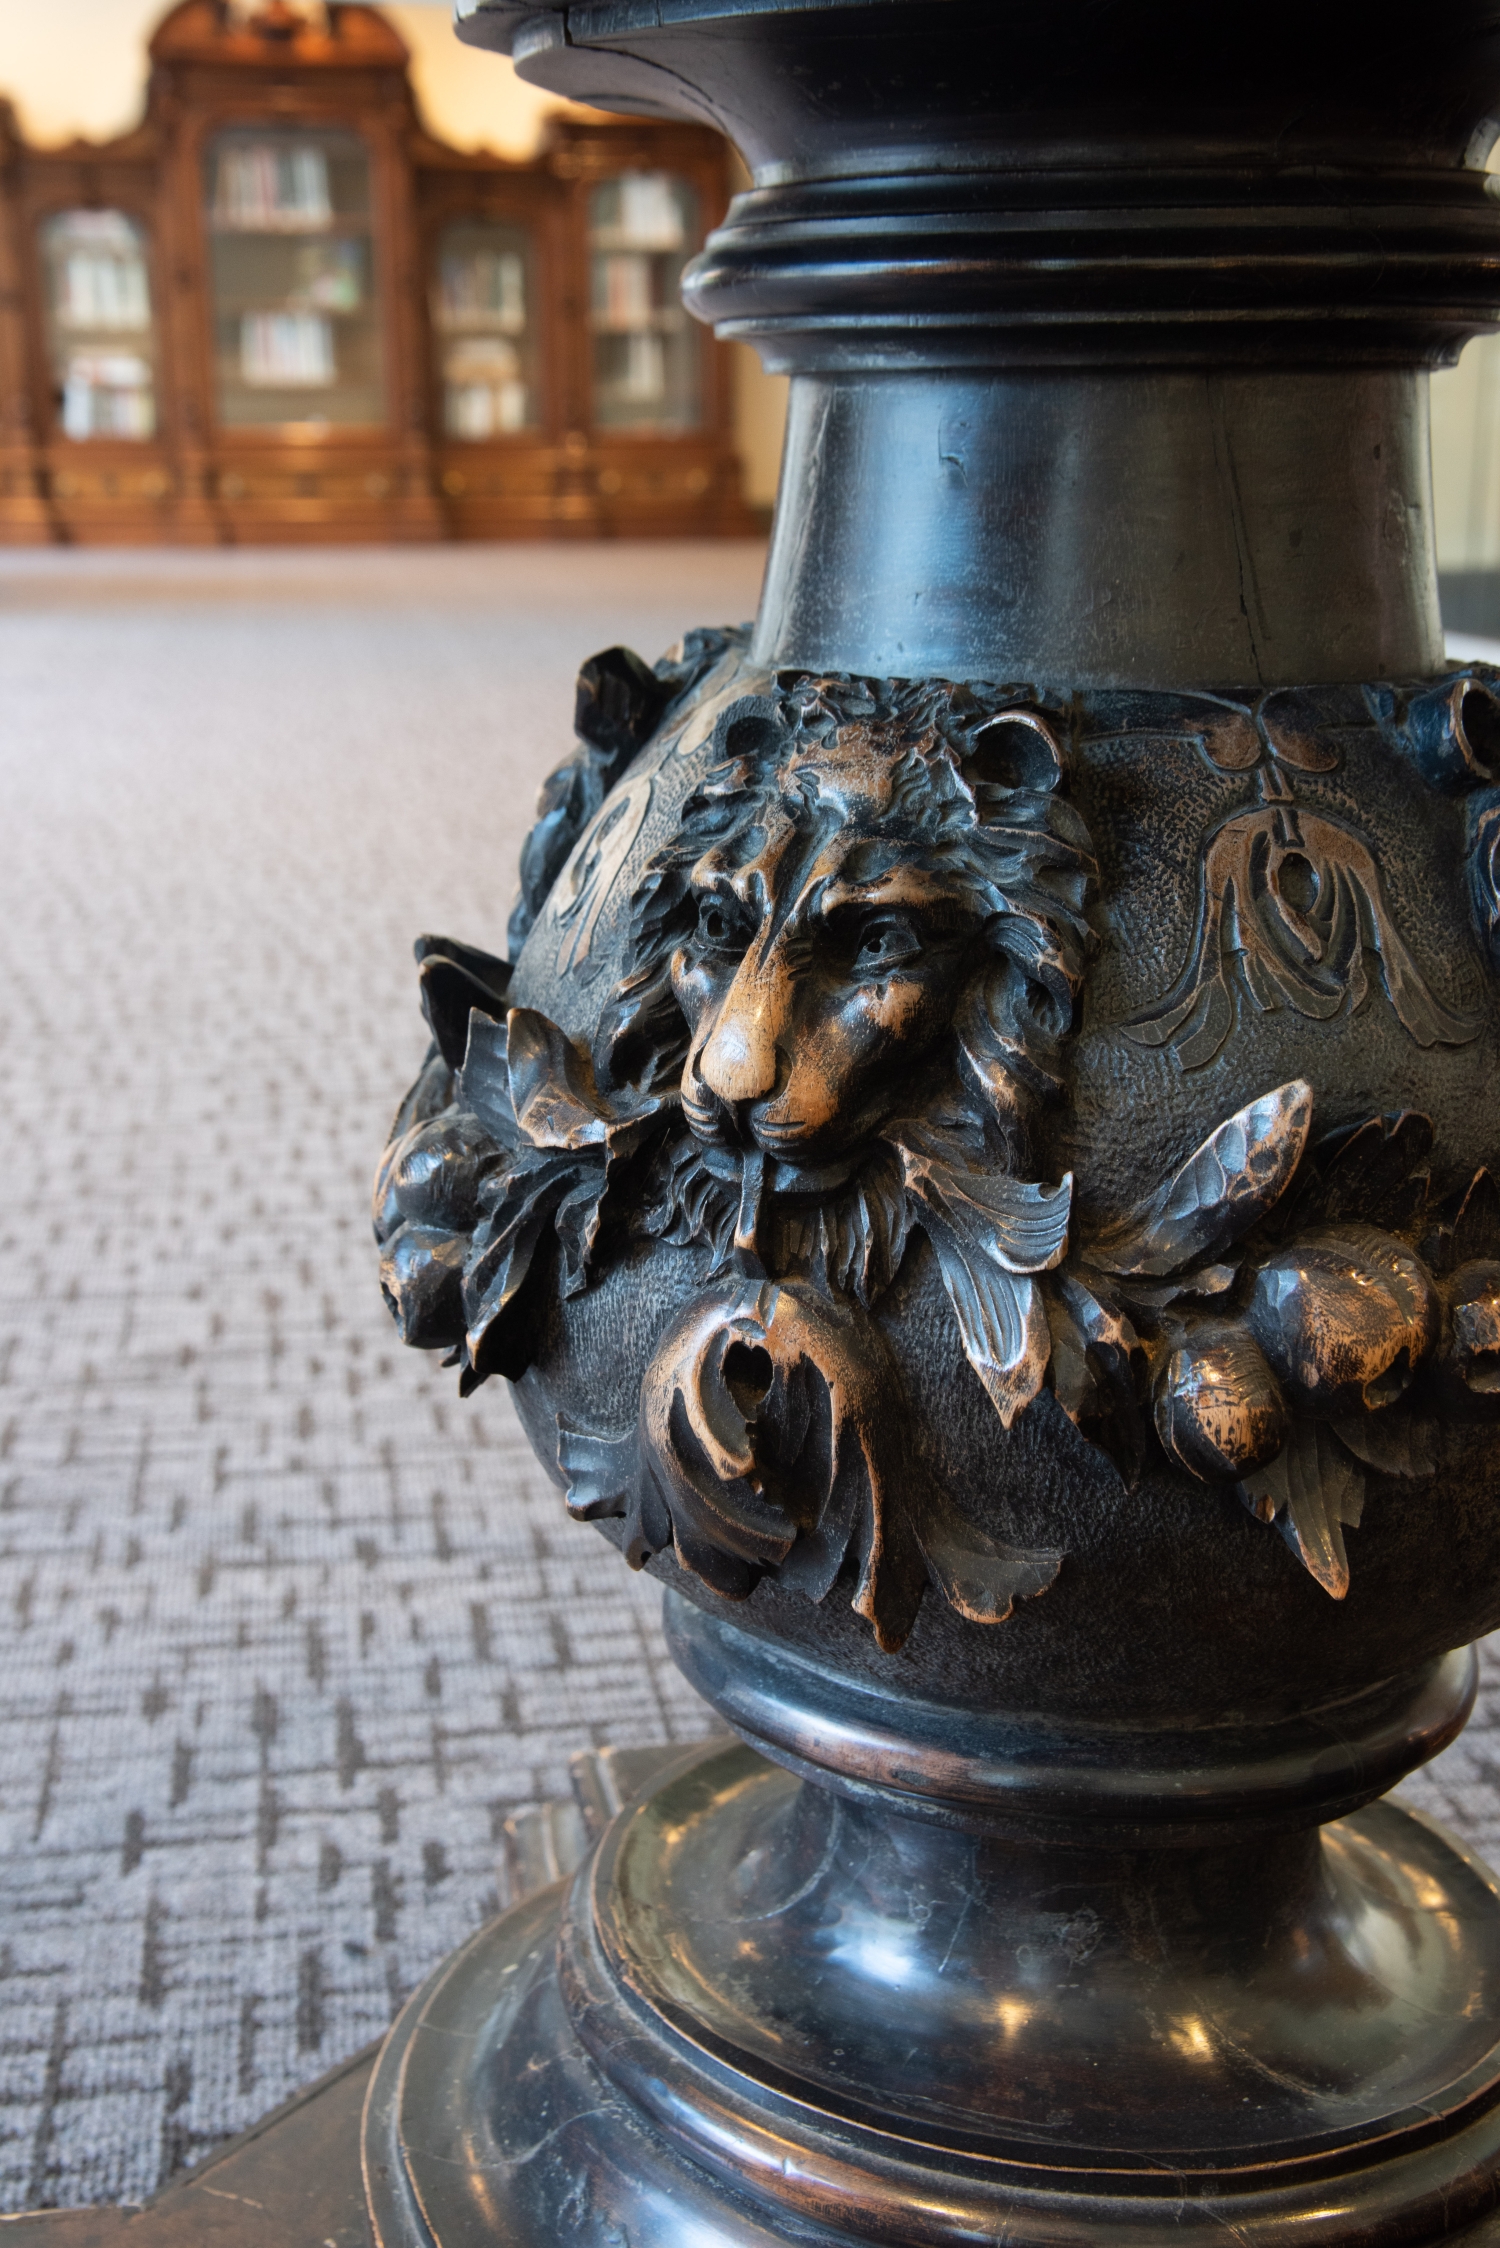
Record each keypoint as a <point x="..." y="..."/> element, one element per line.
<point x="534" y="431"/>
<point x="87" y="392"/>
<point x="296" y="305"/>
<point x="642" y="229"/>
<point x="482" y="320"/>
<point x="101" y="331"/>
<point x="367" y="333"/>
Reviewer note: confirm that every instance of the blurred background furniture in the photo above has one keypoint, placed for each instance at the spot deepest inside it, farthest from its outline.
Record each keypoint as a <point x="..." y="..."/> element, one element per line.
<point x="281" y="308"/>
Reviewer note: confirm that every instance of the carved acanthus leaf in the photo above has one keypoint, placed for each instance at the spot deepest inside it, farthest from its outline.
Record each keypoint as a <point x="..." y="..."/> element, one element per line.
<point x="541" y="1194"/>
<point x="483" y="1081"/>
<point x="533" y="1090"/>
<point x="1476" y="1228"/>
<point x="552" y="1085"/>
<point x="990" y="1232"/>
<point x="1094" y="1370"/>
<point x="1377" y="1172"/>
<point x="1153" y="1297"/>
<point x="978" y="1575"/>
<point x="1016" y="1223"/>
<point x="1394" y="1442"/>
<point x="1224" y="1188"/>
<point x="1002" y="1324"/>
<point x="772" y="1435"/>
<point x="1315" y="1490"/>
<point x="455" y="978"/>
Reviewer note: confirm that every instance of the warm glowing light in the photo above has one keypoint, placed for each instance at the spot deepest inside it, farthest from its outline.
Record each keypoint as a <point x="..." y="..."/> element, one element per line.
<point x="1014" y="2015"/>
<point x="1191" y="2038"/>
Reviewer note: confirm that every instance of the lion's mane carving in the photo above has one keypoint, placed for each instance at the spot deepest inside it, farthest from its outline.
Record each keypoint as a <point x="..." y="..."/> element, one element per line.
<point x="860" y="952"/>
<point x="855" y="796"/>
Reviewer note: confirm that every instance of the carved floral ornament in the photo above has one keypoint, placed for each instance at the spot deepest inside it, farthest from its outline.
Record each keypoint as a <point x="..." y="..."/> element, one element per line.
<point x="1292" y="911"/>
<point x="850" y="979"/>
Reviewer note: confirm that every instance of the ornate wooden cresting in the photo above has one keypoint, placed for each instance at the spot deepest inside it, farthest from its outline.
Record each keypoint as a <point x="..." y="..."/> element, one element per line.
<point x="979" y="1170"/>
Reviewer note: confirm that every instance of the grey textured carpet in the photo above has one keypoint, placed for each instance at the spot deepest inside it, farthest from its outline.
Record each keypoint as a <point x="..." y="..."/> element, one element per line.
<point x="286" y="1631"/>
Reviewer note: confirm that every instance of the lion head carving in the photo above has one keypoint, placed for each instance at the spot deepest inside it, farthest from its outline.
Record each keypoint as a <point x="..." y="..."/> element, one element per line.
<point x="849" y="977"/>
<point x="869" y="925"/>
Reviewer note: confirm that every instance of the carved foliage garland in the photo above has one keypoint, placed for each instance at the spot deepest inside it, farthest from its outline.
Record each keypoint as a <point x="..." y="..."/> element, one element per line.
<point x="850" y="976"/>
<point x="1292" y="1315"/>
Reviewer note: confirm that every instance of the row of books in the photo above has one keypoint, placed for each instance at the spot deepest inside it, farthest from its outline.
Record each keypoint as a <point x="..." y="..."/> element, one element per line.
<point x="631" y="288"/>
<point x="108" y="394"/>
<point x="641" y="211"/>
<point x="481" y="288"/>
<point x="636" y="372"/>
<point x="486" y="409"/>
<point x="100" y="289"/>
<point x="287" y="351"/>
<point x="270" y="186"/>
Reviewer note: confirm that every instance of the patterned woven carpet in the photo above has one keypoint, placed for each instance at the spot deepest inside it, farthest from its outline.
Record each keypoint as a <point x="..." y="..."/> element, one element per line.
<point x="286" y="1632"/>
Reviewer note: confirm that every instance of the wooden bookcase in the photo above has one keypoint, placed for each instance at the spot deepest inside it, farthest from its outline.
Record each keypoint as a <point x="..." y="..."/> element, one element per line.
<point x="281" y="309"/>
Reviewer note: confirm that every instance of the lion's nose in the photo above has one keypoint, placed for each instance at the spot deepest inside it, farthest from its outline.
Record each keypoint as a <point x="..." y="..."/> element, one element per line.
<point x="738" y="1061"/>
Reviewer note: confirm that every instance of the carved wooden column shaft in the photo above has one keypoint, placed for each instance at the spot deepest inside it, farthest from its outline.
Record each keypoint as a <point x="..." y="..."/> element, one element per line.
<point x="979" y="1171"/>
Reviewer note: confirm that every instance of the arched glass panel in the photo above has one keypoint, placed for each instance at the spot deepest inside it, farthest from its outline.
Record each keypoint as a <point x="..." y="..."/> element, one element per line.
<point x="482" y="319"/>
<point x="100" y="335"/>
<point x="648" y="355"/>
<point x="297" y="330"/>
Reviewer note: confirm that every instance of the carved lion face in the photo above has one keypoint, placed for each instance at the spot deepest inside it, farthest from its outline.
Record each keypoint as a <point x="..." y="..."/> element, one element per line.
<point x="822" y="966"/>
<point x="870" y="905"/>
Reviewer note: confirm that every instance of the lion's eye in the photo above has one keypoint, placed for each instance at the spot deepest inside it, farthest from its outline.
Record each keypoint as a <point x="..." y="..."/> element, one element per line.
<point x="716" y="927"/>
<point x="886" y="944"/>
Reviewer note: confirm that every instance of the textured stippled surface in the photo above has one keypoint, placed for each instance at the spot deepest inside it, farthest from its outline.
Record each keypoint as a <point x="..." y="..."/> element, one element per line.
<point x="285" y="1631"/>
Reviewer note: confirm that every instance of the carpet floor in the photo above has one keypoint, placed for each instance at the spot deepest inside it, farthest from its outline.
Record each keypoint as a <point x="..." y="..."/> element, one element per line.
<point x="285" y="1631"/>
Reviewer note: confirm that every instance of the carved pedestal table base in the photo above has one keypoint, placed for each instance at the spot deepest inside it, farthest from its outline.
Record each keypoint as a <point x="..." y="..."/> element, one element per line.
<point x="769" y="2012"/>
<point x="979" y="1170"/>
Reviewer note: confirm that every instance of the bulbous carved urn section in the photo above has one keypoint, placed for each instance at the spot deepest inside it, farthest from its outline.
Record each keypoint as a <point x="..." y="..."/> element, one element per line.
<point x="889" y="1198"/>
<point x="979" y="1171"/>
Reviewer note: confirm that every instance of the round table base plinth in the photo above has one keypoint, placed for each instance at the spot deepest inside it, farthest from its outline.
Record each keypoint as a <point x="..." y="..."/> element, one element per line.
<point x="558" y="2080"/>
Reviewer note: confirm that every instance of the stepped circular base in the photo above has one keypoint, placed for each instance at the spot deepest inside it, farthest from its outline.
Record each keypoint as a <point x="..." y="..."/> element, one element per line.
<point x="674" y="2052"/>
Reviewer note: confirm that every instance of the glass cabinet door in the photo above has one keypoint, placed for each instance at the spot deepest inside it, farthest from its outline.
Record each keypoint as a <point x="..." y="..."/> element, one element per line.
<point x="648" y="357"/>
<point x="484" y="330"/>
<point x="297" y="331"/>
<point x="100" y="335"/>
